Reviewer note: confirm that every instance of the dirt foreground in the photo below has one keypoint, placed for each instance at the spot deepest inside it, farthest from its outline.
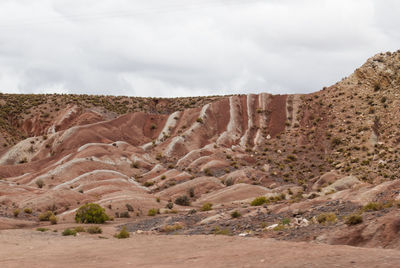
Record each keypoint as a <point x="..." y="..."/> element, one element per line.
<point x="29" y="248"/>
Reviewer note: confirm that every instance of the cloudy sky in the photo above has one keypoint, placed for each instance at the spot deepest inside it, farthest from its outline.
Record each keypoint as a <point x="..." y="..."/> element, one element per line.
<point x="189" y="47"/>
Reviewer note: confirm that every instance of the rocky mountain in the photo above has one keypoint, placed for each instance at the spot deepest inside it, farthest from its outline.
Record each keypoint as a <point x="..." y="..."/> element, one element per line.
<point x="293" y="167"/>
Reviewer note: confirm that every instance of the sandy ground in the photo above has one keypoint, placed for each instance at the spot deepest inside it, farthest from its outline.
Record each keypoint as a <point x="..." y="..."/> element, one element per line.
<point x="30" y="248"/>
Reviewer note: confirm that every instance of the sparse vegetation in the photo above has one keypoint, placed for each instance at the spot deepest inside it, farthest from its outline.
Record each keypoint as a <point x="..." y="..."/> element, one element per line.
<point x="79" y="229"/>
<point x="41" y="229"/>
<point x="94" y="230"/>
<point x="68" y="232"/>
<point x="39" y="183"/>
<point x="53" y="219"/>
<point x="236" y="214"/>
<point x="45" y="216"/>
<point x="169" y="205"/>
<point x="122" y="234"/>
<point x="206" y="207"/>
<point x="28" y="210"/>
<point x="354" y="219"/>
<point x="153" y="212"/>
<point x="182" y="200"/>
<point x="16" y="212"/>
<point x="171" y="228"/>
<point x="259" y="201"/>
<point x="372" y="206"/>
<point x="326" y="218"/>
<point x="219" y="231"/>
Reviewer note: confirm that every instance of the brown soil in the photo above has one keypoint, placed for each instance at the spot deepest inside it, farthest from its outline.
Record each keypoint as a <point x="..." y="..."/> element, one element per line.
<point x="26" y="248"/>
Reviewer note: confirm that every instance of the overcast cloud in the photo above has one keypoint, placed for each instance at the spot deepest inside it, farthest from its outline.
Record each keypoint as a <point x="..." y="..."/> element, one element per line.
<point x="189" y="47"/>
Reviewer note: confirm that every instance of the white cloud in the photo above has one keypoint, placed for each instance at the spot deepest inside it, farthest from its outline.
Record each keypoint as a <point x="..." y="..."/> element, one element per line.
<point x="191" y="47"/>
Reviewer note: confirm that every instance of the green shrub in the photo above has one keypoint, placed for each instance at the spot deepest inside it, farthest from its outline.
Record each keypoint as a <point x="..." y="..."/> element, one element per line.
<point x="153" y="212"/>
<point x="354" y="219"/>
<point x="45" y="216"/>
<point x="68" y="231"/>
<point x="94" y="230"/>
<point x="206" y="207"/>
<point x="41" y="229"/>
<point x="259" y="201"/>
<point x="53" y="219"/>
<point x="235" y="214"/>
<point x="122" y="234"/>
<point x="28" y="210"/>
<point x="170" y="205"/>
<point x="16" y="212"/>
<point x="285" y="221"/>
<point x="91" y="213"/>
<point x="182" y="200"/>
<point x="326" y="218"/>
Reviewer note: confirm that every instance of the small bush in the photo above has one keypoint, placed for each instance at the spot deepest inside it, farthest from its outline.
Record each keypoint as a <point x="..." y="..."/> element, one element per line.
<point x="122" y="234"/>
<point x="191" y="192"/>
<point x="171" y="228"/>
<point x="235" y="214"/>
<point x="16" y="212"/>
<point x="259" y="201"/>
<point x="326" y="218"/>
<point x="285" y="221"/>
<point x="91" y="213"/>
<point x="182" y="200"/>
<point x="129" y="207"/>
<point x="41" y="229"/>
<point x="206" y="207"/>
<point x="94" y="230"/>
<point x="68" y="231"/>
<point x="28" y="210"/>
<point x="219" y="231"/>
<point x="148" y="183"/>
<point x="336" y="141"/>
<point x="153" y="212"/>
<point x="79" y="229"/>
<point x="372" y="206"/>
<point x="135" y="165"/>
<point x="228" y="182"/>
<point x="170" y="205"/>
<point x="39" y="183"/>
<point x="45" y="216"/>
<point x="280" y="227"/>
<point x="124" y="214"/>
<point x="53" y="219"/>
<point x="354" y="219"/>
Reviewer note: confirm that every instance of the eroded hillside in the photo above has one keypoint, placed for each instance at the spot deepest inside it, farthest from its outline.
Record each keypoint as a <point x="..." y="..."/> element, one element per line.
<point x="329" y="152"/>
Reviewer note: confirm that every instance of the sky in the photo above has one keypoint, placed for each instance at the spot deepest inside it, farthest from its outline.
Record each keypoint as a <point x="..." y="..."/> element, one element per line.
<point x="160" y="48"/>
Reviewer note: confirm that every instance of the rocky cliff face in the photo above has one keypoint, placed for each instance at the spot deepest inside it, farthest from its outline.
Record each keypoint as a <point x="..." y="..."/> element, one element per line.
<point x="331" y="151"/>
